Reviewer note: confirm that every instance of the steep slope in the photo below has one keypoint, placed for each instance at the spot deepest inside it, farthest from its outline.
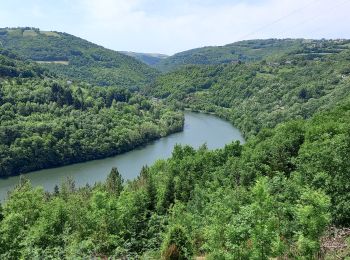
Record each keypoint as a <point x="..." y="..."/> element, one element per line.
<point x="273" y="197"/>
<point x="75" y="58"/>
<point x="263" y="94"/>
<point x="246" y="51"/>
<point x="151" y="59"/>
<point x="13" y="66"/>
<point x="47" y="121"/>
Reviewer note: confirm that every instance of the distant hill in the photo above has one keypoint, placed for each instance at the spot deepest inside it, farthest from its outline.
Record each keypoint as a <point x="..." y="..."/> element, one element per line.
<point x="257" y="95"/>
<point x="54" y="122"/>
<point x="284" y="193"/>
<point x="150" y="59"/>
<point x="252" y="50"/>
<point x="75" y="58"/>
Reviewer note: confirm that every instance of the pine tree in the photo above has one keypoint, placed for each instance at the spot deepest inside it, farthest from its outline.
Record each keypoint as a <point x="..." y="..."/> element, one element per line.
<point x="146" y="180"/>
<point x="151" y="192"/>
<point x="114" y="182"/>
<point x="1" y="213"/>
<point x="56" y="190"/>
<point x="169" y="196"/>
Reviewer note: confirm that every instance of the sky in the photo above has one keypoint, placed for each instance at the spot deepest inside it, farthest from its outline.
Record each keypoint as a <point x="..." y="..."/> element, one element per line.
<point x="170" y="26"/>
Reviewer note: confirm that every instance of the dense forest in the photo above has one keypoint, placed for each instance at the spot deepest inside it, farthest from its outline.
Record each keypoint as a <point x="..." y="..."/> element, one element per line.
<point x="272" y="197"/>
<point x="247" y="51"/>
<point x="262" y="94"/>
<point x="48" y="122"/>
<point x="76" y="59"/>
<point x="275" y="197"/>
<point x="13" y="66"/>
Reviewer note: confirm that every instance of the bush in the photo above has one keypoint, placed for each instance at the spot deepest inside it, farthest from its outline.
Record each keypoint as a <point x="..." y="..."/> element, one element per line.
<point x="177" y="245"/>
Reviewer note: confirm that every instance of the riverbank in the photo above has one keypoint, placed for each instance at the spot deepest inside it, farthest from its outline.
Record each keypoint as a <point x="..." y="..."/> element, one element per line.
<point x="198" y="129"/>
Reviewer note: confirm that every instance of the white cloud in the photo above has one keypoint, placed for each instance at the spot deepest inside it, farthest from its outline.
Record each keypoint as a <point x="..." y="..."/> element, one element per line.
<point x="170" y="26"/>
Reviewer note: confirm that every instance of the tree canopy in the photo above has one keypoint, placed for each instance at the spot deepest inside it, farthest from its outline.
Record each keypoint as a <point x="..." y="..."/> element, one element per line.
<point x="273" y="197"/>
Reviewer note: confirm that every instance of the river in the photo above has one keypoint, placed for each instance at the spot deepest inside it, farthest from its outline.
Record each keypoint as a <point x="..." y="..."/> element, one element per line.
<point x="199" y="129"/>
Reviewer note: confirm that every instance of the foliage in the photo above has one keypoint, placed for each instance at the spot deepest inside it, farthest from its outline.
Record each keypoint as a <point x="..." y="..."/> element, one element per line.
<point x="177" y="245"/>
<point x="255" y="201"/>
<point x="48" y="122"/>
<point x="263" y="94"/>
<point x="151" y="59"/>
<point x="13" y="66"/>
<point x="245" y="51"/>
<point x="272" y="197"/>
<point x="114" y="182"/>
<point x="86" y="61"/>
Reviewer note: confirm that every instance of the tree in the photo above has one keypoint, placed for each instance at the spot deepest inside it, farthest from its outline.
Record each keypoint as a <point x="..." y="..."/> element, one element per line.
<point x="56" y="190"/>
<point x="177" y="245"/>
<point x="1" y="213"/>
<point x="114" y="182"/>
<point x="169" y="195"/>
<point x="152" y="193"/>
<point x="264" y="226"/>
<point x="68" y="186"/>
<point x="21" y="211"/>
<point x="312" y="214"/>
<point x="147" y="178"/>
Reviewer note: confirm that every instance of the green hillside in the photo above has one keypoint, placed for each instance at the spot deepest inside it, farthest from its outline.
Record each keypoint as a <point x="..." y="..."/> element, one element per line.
<point x="76" y="59"/>
<point x="151" y="59"/>
<point x="246" y="51"/>
<point x="47" y="121"/>
<point x="272" y="197"/>
<point x="262" y="94"/>
<point x="13" y="66"/>
<point x="284" y="194"/>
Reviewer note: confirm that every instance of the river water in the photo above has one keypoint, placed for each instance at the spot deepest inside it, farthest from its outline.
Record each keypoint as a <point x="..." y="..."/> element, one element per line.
<point x="199" y="129"/>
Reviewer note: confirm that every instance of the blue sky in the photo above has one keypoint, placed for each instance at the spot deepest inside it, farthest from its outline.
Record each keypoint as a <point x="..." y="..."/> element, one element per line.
<point x="170" y="26"/>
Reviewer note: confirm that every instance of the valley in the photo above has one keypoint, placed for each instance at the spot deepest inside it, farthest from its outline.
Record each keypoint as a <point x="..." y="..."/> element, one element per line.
<point x="102" y="153"/>
<point x="198" y="129"/>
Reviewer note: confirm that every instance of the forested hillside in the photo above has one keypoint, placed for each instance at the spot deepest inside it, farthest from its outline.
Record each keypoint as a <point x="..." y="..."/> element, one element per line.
<point x="13" y="66"/>
<point x="76" y="59"/>
<point x="272" y="197"/>
<point x="252" y="50"/>
<point x="275" y="197"/>
<point x="48" y="122"/>
<point x="151" y="59"/>
<point x="262" y="94"/>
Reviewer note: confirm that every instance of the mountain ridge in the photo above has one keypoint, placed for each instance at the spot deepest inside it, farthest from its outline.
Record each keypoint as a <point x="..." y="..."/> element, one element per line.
<point x="75" y="58"/>
<point x="151" y="59"/>
<point x="241" y="51"/>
